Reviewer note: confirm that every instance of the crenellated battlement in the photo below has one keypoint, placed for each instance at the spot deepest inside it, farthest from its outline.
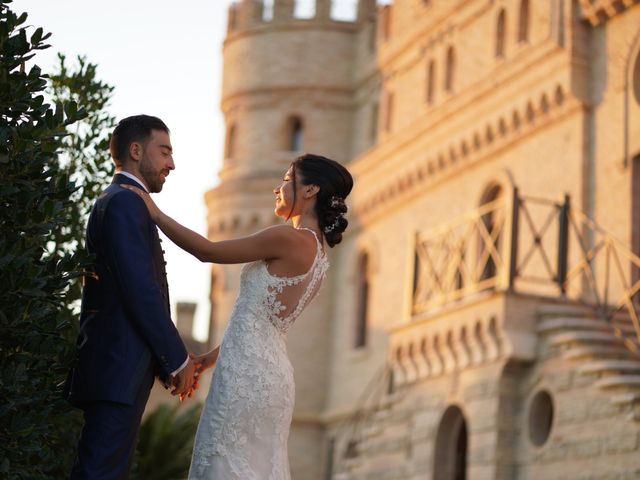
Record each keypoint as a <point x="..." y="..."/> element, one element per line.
<point x="247" y="14"/>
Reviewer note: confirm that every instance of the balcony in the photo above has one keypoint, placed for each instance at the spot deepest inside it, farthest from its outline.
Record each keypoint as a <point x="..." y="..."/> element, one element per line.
<point x="480" y="278"/>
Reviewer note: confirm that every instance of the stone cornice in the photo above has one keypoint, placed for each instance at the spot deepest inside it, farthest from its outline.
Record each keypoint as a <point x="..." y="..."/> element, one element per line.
<point x="282" y="92"/>
<point x="481" y="333"/>
<point x="597" y="12"/>
<point x="489" y="140"/>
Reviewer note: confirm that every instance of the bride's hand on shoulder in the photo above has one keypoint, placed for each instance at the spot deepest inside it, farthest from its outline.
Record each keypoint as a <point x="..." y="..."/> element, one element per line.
<point x="154" y="211"/>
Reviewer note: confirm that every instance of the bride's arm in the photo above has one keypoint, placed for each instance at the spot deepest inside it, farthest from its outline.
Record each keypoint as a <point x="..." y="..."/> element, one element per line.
<point x="273" y="242"/>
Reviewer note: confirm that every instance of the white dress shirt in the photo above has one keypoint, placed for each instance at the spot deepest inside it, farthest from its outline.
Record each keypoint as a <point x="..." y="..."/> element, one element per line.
<point x="134" y="178"/>
<point x="138" y="181"/>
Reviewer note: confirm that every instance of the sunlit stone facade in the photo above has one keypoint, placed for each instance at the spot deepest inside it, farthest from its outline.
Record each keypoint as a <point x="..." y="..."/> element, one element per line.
<point x="456" y="336"/>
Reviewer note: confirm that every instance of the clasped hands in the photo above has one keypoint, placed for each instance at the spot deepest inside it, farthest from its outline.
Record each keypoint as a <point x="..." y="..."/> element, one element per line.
<point x="186" y="381"/>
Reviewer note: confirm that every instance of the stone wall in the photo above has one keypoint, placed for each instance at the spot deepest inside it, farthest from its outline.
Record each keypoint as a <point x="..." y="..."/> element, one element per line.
<point x="415" y="98"/>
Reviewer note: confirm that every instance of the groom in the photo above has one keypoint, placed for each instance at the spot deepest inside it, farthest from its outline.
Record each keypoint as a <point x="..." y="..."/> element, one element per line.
<point x="126" y="335"/>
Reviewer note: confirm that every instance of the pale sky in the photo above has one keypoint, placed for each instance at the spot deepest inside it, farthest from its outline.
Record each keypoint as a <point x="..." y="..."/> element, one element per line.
<point x="164" y="59"/>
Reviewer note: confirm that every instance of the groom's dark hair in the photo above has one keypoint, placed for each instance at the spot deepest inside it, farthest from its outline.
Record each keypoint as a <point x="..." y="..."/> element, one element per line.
<point x="132" y="129"/>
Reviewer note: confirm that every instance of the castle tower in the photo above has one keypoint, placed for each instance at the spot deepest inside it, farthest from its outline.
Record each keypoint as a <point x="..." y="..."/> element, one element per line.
<point x="287" y="89"/>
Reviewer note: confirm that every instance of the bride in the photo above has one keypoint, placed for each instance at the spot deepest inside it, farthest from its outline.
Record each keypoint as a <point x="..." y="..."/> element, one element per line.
<point x="244" y="425"/>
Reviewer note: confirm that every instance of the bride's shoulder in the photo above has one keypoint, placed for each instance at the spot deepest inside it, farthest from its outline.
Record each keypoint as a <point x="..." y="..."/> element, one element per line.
<point x="283" y="234"/>
<point x="288" y="235"/>
<point x="280" y="230"/>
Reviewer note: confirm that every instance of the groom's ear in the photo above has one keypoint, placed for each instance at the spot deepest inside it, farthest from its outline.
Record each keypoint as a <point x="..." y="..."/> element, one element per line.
<point x="135" y="151"/>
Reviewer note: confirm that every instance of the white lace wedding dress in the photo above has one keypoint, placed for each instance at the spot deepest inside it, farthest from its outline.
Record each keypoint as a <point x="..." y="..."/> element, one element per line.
<point x="244" y="425"/>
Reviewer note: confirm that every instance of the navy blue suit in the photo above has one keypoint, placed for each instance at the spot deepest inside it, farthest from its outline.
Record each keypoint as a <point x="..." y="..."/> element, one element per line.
<point x="126" y="334"/>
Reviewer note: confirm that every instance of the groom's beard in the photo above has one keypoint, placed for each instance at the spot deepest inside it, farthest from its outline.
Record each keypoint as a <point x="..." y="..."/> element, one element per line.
<point x="151" y="176"/>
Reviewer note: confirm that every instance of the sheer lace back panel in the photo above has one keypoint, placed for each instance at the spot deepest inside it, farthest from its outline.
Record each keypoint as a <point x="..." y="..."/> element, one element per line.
<point x="288" y="296"/>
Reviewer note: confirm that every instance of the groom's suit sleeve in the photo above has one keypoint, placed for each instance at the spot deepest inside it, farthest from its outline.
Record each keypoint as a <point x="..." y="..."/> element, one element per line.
<point x="130" y="259"/>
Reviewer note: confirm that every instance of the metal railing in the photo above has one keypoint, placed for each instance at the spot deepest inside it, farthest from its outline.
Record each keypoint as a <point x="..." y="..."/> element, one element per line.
<point x="459" y="258"/>
<point x="529" y="245"/>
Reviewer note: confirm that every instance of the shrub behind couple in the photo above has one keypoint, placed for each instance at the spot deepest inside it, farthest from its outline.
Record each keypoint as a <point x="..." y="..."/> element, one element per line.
<point x="127" y="337"/>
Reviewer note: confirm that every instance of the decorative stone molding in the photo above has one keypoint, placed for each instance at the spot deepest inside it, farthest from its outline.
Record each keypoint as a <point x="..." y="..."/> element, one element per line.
<point x="428" y="350"/>
<point x="486" y="139"/>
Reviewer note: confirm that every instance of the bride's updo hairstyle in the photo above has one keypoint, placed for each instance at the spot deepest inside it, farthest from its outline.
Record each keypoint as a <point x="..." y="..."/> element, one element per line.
<point x="335" y="183"/>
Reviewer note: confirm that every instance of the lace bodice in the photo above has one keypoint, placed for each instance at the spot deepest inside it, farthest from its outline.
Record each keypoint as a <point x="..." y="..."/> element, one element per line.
<point x="245" y="422"/>
<point x="282" y="299"/>
<point x="286" y="297"/>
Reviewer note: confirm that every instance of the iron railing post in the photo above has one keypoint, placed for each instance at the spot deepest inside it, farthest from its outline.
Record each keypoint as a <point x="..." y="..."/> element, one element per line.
<point x="513" y="254"/>
<point x="563" y="244"/>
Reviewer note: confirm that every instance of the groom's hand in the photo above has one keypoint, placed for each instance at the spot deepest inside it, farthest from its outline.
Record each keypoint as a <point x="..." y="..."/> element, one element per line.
<point x="183" y="380"/>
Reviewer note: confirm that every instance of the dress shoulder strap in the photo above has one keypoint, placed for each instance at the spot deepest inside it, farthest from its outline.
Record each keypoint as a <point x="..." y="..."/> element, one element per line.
<point x="312" y="231"/>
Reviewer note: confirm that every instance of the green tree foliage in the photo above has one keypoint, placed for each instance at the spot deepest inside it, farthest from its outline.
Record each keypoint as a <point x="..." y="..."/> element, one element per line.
<point x="41" y="207"/>
<point x="165" y="444"/>
<point x="84" y="156"/>
<point x="85" y="151"/>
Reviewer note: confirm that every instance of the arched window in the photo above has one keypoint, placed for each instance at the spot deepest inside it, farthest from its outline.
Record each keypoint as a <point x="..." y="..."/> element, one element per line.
<point x="388" y="112"/>
<point x="449" y="76"/>
<point x="450" y="459"/>
<point x="560" y="23"/>
<point x="523" y="22"/>
<point x="230" y="150"/>
<point x="360" y="337"/>
<point x="431" y="81"/>
<point x="501" y="28"/>
<point x="374" y="122"/>
<point x="384" y="22"/>
<point x="636" y="79"/>
<point x="296" y="132"/>
<point x="489" y="244"/>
